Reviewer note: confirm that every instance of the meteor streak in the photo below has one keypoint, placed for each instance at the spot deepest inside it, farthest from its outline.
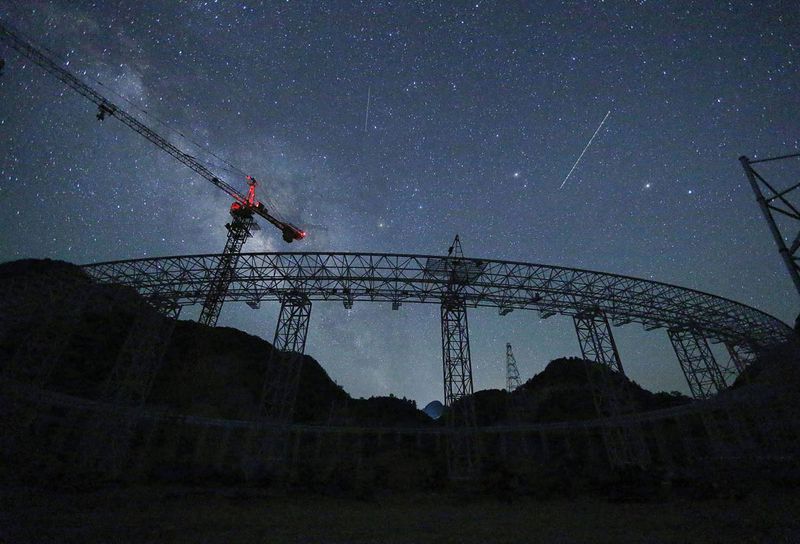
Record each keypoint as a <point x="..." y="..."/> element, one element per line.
<point x="584" y="149"/>
<point x="366" y="115"/>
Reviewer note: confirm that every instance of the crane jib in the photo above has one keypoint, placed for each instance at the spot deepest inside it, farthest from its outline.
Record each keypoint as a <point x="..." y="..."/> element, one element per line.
<point x="108" y="108"/>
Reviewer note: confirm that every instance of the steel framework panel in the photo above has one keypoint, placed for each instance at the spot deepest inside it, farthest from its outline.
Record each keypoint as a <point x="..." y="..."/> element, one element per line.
<point x="775" y="203"/>
<point x="697" y="362"/>
<point x="282" y="377"/>
<point x="240" y="229"/>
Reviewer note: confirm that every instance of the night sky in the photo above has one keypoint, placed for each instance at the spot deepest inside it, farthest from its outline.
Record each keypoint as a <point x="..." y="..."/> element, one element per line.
<point x="477" y="113"/>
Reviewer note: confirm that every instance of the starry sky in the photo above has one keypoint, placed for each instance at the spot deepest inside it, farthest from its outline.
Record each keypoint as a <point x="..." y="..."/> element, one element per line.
<point x="477" y="112"/>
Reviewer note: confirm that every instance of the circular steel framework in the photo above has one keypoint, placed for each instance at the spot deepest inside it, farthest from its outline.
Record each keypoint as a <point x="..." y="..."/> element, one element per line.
<point x="401" y="279"/>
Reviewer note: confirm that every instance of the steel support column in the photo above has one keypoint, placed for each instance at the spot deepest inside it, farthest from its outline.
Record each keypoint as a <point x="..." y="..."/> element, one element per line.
<point x="512" y="372"/>
<point x="596" y="341"/>
<point x="697" y="362"/>
<point x="285" y="362"/>
<point x="457" y="363"/>
<point x="624" y="442"/>
<point x="777" y="201"/>
<point x="462" y="455"/>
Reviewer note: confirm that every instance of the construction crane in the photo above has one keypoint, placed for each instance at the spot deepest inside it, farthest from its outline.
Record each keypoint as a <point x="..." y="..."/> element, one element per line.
<point x="242" y="210"/>
<point x="243" y="207"/>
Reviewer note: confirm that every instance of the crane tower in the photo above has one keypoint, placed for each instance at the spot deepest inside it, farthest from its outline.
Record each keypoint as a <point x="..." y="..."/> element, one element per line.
<point x="243" y="209"/>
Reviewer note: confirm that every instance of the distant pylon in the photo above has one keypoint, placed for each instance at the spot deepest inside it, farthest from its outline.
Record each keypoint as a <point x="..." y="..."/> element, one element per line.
<point x="512" y="373"/>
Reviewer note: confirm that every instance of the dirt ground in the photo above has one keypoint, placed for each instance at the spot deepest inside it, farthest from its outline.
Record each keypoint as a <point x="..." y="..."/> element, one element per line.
<point x="185" y="514"/>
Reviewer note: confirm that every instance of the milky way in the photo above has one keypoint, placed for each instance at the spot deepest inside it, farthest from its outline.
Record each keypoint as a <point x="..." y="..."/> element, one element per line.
<point x="475" y="113"/>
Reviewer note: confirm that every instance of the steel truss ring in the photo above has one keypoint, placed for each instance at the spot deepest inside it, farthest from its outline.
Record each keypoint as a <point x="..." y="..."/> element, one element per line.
<point x="402" y="278"/>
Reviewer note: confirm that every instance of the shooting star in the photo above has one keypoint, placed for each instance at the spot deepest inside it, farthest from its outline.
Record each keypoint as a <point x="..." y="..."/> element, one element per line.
<point x="366" y="116"/>
<point x="584" y="149"/>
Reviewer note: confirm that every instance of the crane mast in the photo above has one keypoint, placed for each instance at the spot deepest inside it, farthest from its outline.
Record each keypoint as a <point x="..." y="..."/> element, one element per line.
<point x="242" y="210"/>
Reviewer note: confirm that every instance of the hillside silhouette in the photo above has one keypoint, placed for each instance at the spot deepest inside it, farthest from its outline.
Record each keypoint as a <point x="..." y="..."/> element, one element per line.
<point x="219" y="371"/>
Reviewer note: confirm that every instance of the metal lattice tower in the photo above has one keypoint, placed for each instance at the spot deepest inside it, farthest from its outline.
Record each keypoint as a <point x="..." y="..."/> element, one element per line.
<point x="455" y="351"/>
<point x="240" y="229"/>
<point x="512" y="373"/>
<point x="282" y="377"/>
<point x="774" y="201"/>
<point x="697" y="362"/>
<point x="462" y="454"/>
<point x="624" y="442"/>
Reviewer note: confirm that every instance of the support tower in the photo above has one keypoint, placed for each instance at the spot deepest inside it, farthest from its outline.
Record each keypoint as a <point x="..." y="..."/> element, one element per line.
<point x="512" y="373"/>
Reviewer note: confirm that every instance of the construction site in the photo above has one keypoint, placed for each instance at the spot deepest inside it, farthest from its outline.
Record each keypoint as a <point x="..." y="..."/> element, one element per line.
<point x="84" y="347"/>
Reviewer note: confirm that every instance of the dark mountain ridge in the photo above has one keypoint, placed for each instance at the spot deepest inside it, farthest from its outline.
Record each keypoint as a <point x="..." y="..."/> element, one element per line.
<point x="219" y="371"/>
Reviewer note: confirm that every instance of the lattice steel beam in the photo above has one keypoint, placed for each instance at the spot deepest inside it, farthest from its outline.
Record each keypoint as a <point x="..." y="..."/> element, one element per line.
<point x="776" y="203"/>
<point x="347" y="277"/>
<point x="697" y="362"/>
